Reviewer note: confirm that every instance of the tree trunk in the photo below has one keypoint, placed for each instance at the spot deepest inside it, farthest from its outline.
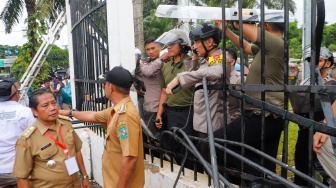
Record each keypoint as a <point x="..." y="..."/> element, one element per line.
<point x="138" y="24"/>
<point x="32" y="24"/>
<point x="174" y="20"/>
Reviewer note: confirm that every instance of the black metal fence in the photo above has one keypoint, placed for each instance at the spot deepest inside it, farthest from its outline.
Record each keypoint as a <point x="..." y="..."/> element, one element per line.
<point x="90" y="50"/>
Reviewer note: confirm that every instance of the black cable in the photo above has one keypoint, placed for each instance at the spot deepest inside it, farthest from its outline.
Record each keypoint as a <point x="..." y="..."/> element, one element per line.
<point x="234" y="143"/>
<point x="192" y="148"/>
<point x="181" y="167"/>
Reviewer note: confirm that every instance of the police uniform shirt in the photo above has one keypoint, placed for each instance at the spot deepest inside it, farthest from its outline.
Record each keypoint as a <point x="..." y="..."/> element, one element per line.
<point x="123" y="138"/>
<point x="234" y="103"/>
<point x="14" y="119"/>
<point x="32" y="155"/>
<point x="213" y="71"/>
<point x="151" y="74"/>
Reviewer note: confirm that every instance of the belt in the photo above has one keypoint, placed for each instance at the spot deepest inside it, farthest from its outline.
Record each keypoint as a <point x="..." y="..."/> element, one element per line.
<point x="252" y="112"/>
<point x="178" y="108"/>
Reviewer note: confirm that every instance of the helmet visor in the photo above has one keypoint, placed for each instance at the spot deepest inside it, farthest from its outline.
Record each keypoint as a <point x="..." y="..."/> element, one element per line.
<point x="168" y="38"/>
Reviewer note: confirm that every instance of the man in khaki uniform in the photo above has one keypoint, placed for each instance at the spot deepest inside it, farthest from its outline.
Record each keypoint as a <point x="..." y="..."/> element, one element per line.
<point x="44" y="148"/>
<point x="123" y="164"/>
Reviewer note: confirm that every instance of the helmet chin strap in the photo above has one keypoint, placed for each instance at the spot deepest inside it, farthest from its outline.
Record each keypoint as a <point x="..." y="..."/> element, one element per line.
<point x="207" y="51"/>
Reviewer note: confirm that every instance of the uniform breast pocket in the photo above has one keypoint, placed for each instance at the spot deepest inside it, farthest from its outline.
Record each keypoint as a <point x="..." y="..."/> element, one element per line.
<point x="48" y="152"/>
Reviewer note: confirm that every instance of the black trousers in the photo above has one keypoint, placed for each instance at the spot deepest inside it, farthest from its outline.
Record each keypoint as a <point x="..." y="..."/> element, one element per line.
<point x="273" y="129"/>
<point x="177" y="117"/>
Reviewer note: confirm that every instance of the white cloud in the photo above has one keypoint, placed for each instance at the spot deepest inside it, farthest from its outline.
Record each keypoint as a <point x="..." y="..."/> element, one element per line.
<point x="330" y="13"/>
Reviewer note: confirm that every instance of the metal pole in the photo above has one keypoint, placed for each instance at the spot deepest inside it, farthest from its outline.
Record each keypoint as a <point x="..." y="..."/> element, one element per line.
<point x="306" y="32"/>
<point x="213" y="156"/>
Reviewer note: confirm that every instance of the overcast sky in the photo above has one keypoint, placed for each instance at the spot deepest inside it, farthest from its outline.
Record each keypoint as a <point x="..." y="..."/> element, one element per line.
<point x="17" y="38"/>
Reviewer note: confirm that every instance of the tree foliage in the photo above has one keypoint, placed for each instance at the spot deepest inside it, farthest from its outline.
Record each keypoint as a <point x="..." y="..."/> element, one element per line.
<point x="58" y="58"/>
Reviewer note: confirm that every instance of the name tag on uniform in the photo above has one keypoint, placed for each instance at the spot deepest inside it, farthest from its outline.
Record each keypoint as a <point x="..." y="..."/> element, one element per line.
<point x="71" y="165"/>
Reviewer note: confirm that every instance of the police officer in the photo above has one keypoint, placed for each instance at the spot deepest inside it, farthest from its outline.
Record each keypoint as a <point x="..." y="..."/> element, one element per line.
<point x="48" y="153"/>
<point x="206" y="39"/>
<point x="14" y="119"/>
<point x="151" y="73"/>
<point x="178" y="108"/>
<point x="302" y="148"/>
<point x="123" y="164"/>
<point x="234" y="103"/>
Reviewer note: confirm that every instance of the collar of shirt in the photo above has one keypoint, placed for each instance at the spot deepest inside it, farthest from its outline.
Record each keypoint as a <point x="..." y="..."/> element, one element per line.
<point x="9" y="103"/>
<point x="218" y="51"/>
<point x="123" y="101"/>
<point x="42" y="128"/>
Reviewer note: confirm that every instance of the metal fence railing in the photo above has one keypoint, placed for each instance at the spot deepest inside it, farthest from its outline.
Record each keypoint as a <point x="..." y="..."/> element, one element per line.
<point x="90" y="49"/>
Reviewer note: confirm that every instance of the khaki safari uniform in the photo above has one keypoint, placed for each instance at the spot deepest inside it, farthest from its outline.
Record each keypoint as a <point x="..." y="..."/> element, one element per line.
<point x="31" y="159"/>
<point x="213" y="70"/>
<point x="123" y="138"/>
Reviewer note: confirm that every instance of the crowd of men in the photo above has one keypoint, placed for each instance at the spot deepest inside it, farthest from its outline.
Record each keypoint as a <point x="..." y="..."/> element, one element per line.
<point x="42" y="149"/>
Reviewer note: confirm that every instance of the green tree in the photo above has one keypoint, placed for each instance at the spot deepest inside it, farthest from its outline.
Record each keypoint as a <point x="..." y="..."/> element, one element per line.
<point x="329" y="34"/>
<point x="271" y="4"/>
<point x="58" y="58"/>
<point x="155" y="26"/>
<point x="38" y="14"/>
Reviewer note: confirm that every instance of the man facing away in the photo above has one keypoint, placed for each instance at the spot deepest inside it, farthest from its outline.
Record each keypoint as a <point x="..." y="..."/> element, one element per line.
<point x="48" y="153"/>
<point x="274" y="75"/>
<point x="123" y="164"/>
<point x="14" y="119"/>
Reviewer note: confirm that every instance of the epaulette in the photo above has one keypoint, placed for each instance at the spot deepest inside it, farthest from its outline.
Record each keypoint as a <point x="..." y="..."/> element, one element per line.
<point x="26" y="134"/>
<point x="122" y="109"/>
<point x="64" y="117"/>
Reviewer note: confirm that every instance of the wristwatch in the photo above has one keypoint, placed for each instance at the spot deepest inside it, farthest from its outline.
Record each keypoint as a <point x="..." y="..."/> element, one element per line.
<point x="86" y="177"/>
<point x="70" y="113"/>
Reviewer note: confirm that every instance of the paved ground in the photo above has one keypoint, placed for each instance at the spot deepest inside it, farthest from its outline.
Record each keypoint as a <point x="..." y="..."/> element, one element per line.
<point x="95" y="185"/>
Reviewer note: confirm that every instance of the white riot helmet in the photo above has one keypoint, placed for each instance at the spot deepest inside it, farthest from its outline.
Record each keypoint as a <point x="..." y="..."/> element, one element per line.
<point x="324" y="53"/>
<point x="175" y="36"/>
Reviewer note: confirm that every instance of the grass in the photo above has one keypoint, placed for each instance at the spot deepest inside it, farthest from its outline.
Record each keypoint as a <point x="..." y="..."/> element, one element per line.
<point x="292" y="137"/>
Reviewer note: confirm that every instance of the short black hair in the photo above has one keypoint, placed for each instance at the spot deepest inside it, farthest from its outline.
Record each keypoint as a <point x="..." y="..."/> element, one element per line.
<point x="232" y="52"/>
<point x="277" y="26"/>
<point x="149" y="40"/>
<point x="33" y="97"/>
<point x="124" y="91"/>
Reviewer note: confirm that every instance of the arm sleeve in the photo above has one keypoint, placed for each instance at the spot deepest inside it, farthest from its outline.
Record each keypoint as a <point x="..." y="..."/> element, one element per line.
<point x="152" y="68"/>
<point x="23" y="159"/>
<point x="129" y="134"/>
<point x="78" y="142"/>
<point x="191" y="65"/>
<point x="104" y="116"/>
<point x="273" y="43"/>
<point x="188" y="79"/>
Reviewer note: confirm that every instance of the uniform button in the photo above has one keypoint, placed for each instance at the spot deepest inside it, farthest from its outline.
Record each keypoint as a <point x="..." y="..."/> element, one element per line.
<point x="31" y="127"/>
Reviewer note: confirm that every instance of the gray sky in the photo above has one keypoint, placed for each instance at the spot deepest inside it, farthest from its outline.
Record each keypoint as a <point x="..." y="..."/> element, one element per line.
<point x="17" y="38"/>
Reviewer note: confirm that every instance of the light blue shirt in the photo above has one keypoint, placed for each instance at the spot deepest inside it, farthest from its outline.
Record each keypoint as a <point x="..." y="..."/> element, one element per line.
<point x="14" y="119"/>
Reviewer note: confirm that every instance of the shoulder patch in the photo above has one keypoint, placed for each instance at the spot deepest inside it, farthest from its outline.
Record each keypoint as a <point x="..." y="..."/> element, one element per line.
<point x="215" y="59"/>
<point x="64" y="117"/>
<point x="123" y="133"/>
<point x="26" y="134"/>
<point x="122" y="109"/>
